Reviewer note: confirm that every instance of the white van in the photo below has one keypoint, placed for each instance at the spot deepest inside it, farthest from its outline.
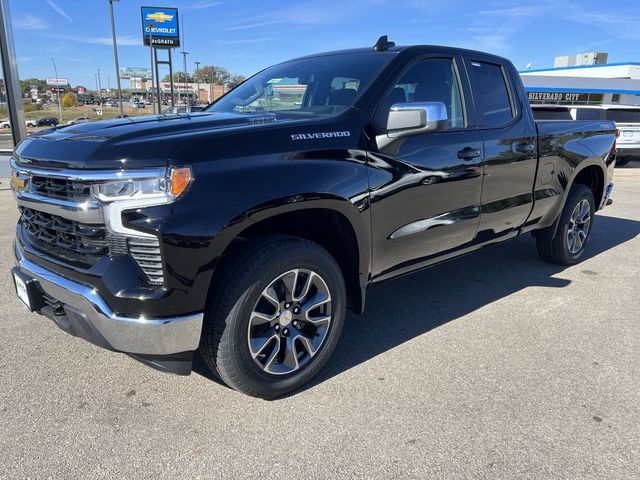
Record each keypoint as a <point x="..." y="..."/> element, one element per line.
<point x="627" y="120"/>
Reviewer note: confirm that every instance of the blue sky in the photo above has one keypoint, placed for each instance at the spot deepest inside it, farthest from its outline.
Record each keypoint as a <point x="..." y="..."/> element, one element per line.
<point x="247" y="35"/>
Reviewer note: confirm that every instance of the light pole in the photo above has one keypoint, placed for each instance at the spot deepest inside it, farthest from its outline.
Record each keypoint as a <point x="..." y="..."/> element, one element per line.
<point x="153" y="105"/>
<point x="198" y="87"/>
<point x="55" y="70"/>
<point x="99" y="87"/>
<point x="115" y="56"/>
<point x="9" y="65"/>
<point x="184" y="66"/>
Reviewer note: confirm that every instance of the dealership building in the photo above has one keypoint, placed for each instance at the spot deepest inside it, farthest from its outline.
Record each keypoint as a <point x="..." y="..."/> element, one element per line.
<point x="584" y="79"/>
<point x="201" y="92"/>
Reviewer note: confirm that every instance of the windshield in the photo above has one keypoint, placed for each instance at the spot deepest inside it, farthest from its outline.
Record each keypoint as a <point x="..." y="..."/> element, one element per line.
<point x="318" y="86"/>
<point x="624" y="115"/>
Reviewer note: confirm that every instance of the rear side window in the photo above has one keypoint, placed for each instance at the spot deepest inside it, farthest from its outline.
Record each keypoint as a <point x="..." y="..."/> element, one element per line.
<point x="588" y="114"/>
<point x="624" y="115"/>
<point x="552" y="114"/>
<point x="493" y="94"/>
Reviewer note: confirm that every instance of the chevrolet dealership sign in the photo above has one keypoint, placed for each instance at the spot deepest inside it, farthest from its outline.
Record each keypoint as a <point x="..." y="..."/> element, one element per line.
<point x="160" y="24"/>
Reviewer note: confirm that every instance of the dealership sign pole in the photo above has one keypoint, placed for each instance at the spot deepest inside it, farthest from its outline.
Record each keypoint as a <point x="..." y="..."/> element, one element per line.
<point x="160" y="31"/>
<point x="115" y="56"/>
<point x="11" y="79"/>
<point x="57" y="84"/>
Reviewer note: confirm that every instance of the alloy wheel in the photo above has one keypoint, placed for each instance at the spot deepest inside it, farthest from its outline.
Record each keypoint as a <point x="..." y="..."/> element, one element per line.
<point x="579" y="225"/>
<point x="289" y="322"/>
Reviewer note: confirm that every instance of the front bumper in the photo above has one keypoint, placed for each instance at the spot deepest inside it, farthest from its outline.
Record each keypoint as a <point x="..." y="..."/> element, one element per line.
<point x="83" y="312"/>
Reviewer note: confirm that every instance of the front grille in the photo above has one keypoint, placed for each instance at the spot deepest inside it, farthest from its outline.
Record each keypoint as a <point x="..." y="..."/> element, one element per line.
<point x="60" y="188"/>
<point x="146" y="253"/>
<point x="65" y="238"/>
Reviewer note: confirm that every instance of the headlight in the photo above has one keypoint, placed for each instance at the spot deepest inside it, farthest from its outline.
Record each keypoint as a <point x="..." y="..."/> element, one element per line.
<point x="163" y="188"/>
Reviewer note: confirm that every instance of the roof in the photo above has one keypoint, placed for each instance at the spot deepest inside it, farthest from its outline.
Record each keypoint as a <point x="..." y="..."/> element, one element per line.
<point x="576" y="67"/>
<point x="541" y="83"/>
<point x="606" y="106"/>
<point x="405" y="48"/>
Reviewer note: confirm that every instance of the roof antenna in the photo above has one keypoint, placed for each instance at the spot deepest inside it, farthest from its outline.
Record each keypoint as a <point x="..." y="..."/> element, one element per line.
<point x="383" y="44"/>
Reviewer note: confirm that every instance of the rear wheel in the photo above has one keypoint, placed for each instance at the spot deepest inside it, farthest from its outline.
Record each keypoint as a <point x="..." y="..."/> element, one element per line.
<point x="622" y="161"/>
<point x="276" y="316"/>
<point x="574" y="229"/>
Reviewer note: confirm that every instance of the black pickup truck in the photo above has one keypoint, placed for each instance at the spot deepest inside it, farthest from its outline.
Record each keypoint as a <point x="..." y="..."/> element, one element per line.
<point x="245" y="231"/>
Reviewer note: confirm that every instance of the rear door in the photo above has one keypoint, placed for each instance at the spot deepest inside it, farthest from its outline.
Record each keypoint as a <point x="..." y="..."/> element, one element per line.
<point x="506" y="124"/>
<point x="425" y="189"/>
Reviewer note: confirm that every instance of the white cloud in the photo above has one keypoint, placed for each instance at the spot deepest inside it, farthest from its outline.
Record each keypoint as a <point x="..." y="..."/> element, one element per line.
<point x="31" y="22"/>
<point x="58" y="9"/>
<point x="204" y="4"/>
<point x="123" y="40"/>
<point x="246" y="40"/>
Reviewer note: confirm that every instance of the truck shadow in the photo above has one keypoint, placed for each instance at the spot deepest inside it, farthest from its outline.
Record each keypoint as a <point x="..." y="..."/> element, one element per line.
<point x="402" y="309"/>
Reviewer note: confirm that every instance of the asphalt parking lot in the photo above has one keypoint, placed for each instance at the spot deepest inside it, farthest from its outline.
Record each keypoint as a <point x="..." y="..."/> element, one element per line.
<point x="495" y="365"/>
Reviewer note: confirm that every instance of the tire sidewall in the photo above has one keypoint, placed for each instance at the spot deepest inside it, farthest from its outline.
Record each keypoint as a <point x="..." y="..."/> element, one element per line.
<point x="238" y="320"/>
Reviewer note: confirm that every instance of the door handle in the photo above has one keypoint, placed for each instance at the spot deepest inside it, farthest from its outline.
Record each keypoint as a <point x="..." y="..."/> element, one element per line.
<point x="524" y="147"/>
<point x="469" y="153"/>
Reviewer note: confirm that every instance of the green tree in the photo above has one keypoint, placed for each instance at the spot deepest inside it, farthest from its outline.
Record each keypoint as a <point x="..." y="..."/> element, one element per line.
<point x="178" y="77"/>
<point x="212" y="74"/>
<point x="25" y="85"/>
<point x="236" y="80"/>
<point x="69" y="100"/>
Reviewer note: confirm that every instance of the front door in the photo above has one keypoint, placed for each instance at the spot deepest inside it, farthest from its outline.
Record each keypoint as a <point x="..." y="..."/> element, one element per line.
<point x="425" y="189"/>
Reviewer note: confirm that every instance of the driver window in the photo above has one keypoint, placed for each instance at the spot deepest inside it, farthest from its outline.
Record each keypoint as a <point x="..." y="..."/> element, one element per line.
<point x="430" y="80"/>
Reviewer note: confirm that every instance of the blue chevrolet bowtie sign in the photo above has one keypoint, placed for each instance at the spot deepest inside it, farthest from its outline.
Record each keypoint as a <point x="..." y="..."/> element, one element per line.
<point x="160" y="24"/>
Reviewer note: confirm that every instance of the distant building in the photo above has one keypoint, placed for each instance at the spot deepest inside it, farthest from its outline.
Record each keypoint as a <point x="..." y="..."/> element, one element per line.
<point x="581" y="59"/>
<point x="591" y="84"/>
<point x="183" y="93"/>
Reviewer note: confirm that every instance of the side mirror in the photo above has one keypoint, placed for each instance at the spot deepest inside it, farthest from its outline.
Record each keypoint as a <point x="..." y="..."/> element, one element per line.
<point x="406" y="119"/>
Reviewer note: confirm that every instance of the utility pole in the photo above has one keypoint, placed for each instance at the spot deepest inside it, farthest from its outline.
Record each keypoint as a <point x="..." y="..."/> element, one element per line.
<point x="198" y="88"/>
<point x="55" y="71"/>
<point x="115" y="57"/>
<point x="150" y="25"/>
<point x="11" y="78"/>
<point x="184" y="66"/>
<point x="99" y="87"/>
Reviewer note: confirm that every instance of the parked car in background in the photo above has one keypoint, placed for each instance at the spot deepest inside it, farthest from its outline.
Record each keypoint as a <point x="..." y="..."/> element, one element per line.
<point x="112" y="103"/>
<point x="139" y="105"/>
<point x="626" y="117"/>
<point x="7" y="123"/>
<point x="31" y="122"/>
<point x="47" y="122"/>
<point x="182" y="109"/>
<point x="83" y="119"/>
<point x="87" y="99"/>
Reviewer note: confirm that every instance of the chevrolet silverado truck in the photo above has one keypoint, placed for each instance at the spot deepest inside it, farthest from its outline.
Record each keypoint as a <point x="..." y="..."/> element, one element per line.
<point x="245" y="232"/>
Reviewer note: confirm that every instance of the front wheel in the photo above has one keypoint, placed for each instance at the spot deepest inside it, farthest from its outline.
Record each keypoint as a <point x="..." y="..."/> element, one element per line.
<point x="574" y="229"/>
<point x="276" y="316"/>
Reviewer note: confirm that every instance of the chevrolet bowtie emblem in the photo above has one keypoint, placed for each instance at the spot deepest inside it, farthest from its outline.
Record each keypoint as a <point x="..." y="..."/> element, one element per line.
<point x="18" y="181"/>
<point x="159" y="17"/>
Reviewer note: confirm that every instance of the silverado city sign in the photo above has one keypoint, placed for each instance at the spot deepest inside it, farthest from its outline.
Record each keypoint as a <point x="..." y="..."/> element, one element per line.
<point x="557" y="97"/>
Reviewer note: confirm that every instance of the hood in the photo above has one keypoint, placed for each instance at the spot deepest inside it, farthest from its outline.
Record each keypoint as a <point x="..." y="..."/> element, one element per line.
<point x="138" y="142"/>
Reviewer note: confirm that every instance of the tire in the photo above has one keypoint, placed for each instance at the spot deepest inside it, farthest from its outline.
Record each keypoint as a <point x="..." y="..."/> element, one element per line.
<point x="622" y="161"/>
<point x="561" y="249"/>
<point x="251" y="287"/>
